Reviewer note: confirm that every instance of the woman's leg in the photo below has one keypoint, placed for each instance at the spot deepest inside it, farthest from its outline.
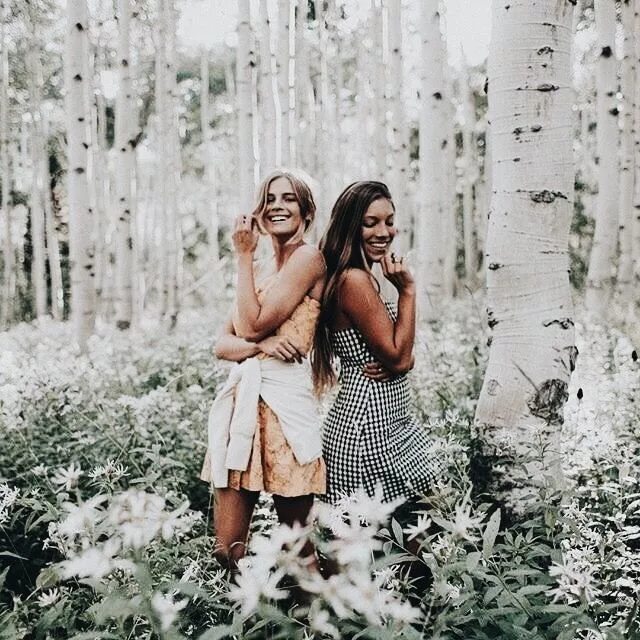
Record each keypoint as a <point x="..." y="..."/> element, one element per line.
<point x="296" y="510"/>
<point x="232" y="511"/>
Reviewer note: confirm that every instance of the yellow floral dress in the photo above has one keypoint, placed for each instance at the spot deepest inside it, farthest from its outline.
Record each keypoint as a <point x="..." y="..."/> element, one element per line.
<point x="272" y="466"/>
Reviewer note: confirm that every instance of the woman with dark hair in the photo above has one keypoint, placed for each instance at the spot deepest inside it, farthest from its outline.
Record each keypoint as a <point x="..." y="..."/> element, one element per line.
<point x="370" y="439"/>
<point x="263" y="430"/>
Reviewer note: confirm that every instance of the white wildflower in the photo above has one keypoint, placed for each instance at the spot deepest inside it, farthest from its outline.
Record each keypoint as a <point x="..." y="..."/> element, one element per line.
<point x="68" y="478"/>
<point x="47" y="598"/>
<point x="319" y="621"/>
<point x="419" y="528"/>
<point x="81" y="519"/>
<point x="166" y="609"/>
<point x="575" y="583"/>
<point x="8" y="496"/>
<point x="254" y="584"/>
<point x="91" y="563"/>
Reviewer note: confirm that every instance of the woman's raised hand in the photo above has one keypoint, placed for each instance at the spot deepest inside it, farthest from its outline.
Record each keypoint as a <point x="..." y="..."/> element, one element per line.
<point x="282" y="348"/>
<point x="245" y="235"/>
<point x="397" y="273"/>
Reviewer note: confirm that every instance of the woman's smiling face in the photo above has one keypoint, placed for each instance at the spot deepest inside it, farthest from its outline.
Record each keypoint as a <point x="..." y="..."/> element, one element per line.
<point x="378" y="229"/>
<point x="282" y="216"/>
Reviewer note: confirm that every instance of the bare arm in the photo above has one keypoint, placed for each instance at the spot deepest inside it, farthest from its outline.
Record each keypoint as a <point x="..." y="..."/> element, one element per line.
<point x="391" y="342"/>
<point x="301" y="272"/>
<point x="231" y="347"/>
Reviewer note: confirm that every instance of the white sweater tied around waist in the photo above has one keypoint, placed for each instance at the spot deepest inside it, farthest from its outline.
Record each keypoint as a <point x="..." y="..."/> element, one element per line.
<point x="286" y="388"/>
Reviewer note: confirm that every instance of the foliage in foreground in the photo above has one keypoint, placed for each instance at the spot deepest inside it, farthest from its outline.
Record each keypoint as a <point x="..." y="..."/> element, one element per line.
<point x="103" y="521"/>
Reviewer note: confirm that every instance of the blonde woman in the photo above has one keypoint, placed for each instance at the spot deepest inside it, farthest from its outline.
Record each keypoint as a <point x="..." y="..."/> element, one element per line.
<point x="264" y="431"/>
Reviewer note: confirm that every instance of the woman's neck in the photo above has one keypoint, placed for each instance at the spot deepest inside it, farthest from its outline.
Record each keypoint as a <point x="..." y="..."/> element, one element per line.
<point x="282" y="251"/>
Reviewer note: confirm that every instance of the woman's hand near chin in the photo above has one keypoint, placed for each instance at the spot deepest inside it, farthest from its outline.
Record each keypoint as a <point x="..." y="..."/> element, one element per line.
<point x="397" y="273"/>
<point x="245" y="235"/>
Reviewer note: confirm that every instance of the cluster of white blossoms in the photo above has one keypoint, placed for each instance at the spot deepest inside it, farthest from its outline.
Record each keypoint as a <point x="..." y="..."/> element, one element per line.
<point x="8" y="496"/>
<point x="575" y="581"/>
<point x="99" y="535"/>
<point x="356" y="590"/>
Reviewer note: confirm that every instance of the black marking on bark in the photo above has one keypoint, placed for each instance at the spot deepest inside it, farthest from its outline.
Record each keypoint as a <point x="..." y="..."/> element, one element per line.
<point x="580" y="394"/>
<point x="124" y="62"/>
<point x="634" y="355"/>
<point x="122" y="325"/>
<point x="437" y="95"/>
<point x="517" y="131"/>
<point x="130" y="243"/>
<point x="565" y="323"/>
<point x="547" y="86"/>
<point x="543" y="50"/>
<point x="494" y="266"/>
<point x="516" y="159"/>
<point x="492" y="387"/>
<point x="79" y="170"/>
<point x="615" y="111"/>
<point x="547" y="196"/>
<point x="491" y="321"/>
<point x="81" y="119"/>
<point x="606" y="52"/>
<point x="486" y="85"/>
<point x="536" y="127"/>
<point x="78" y="26"/>
<point x="127" y="211"/>
<point x="85" y="145"/>
<point x="444" y="144"/>
<point x="507" y="7"/>
<point x="78" y="77"/>
<point x="549" y="400"/>
<point x="489" y="341"/>
<point x="573" y="356"/>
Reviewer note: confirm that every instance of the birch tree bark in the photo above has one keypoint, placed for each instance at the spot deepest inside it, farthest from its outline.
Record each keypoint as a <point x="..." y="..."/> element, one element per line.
<point x="627" y="169"/>
<point x="635" y="221"/>
<point x="399" y="148"/>
<point x="35" y="82"/>
<point x="532" y="351"/>
<point x="282" y="52"/>
<point x="268" y="94"/>
<point x="600" y="276"/>
<point x="125" y="132"/>
<point x="433" y="140"/>
<point x="81" y="219"/>
<point x="245" y="114"/>
<point x="8" y="254"/>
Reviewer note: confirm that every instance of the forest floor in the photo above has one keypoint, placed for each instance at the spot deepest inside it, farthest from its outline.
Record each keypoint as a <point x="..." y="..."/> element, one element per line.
<point x="104" y="523"/>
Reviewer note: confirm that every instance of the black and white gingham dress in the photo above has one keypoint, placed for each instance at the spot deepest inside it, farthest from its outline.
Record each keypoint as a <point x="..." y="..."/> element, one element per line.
<point x="369" y="436"/>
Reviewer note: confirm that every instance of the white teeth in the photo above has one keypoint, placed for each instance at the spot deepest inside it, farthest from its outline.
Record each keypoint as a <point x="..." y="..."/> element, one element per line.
<point x="278" y="218"/>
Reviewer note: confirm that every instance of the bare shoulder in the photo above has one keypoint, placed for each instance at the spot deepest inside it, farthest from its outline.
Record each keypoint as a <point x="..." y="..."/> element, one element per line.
<point x="308" y="257"/>
<point x="356" y="280"/>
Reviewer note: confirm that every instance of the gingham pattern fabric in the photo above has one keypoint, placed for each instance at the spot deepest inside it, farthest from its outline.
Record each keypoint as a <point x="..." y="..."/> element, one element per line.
<point x="369" y="436"/>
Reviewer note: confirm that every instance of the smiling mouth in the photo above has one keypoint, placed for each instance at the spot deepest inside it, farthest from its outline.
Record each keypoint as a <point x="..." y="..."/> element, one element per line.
<point x="380" y="246"/>
<point x="278" y="218"/>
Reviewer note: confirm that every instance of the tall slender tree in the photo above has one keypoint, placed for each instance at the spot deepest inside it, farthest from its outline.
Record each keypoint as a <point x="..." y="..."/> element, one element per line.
<point x="528" y="294"/>
<point x="81" y="219"/>
<point x="627" y="169"/>
<point x="433" y="142"/>
<point x="603" y="254"/>
<point x="635" y="221"/>
<point x="244" y="66"/>
<point x="8" y="254"/>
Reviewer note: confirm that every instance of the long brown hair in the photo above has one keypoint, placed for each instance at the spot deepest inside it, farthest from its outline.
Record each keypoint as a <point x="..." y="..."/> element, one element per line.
<point x="342" y="249"/>
<point x="302" y="191"/>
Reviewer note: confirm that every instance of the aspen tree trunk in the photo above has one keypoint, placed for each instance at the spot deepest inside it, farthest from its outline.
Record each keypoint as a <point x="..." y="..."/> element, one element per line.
<point x="8" y="253"/>
<point x="51" y="229"/>
<point x="35" y="83"/>
<point x="174" y="241"/>
<point x="245" y="115"/>
<point x="600" y="276"/>
<point x="81" y="218"/>
<point x="627" y="169"/>
<point x="449" y="177"/>
<point x="635" y="222"/>
<point x="268" y="93"/>
<point x="433" y="142"/>
<point x="125" y="163"/>
<point x="469" y="176"/>
<point x="378" y="106"/>
<point x="529" y="306"/>
<point x="302" y="88"/>
<point x="399" y="148"/>
<point x="282" y="53"/>
<point x="210" y="204"/>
